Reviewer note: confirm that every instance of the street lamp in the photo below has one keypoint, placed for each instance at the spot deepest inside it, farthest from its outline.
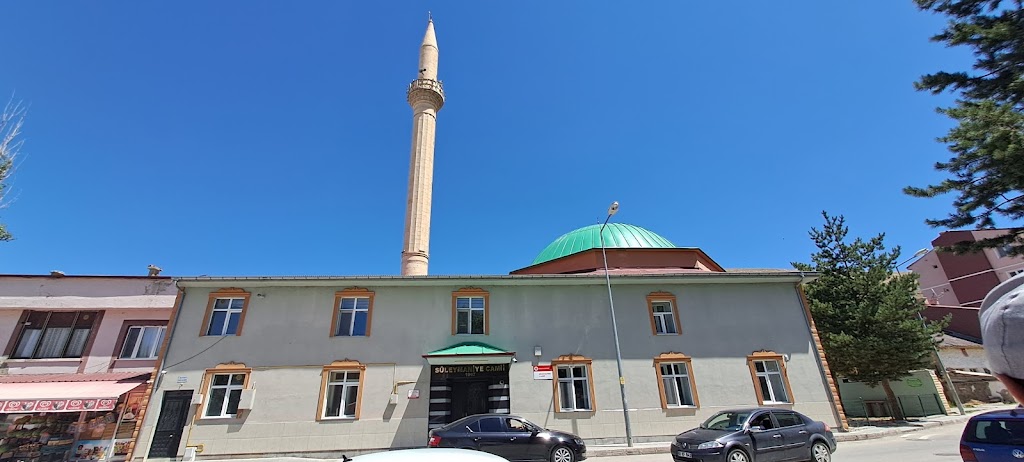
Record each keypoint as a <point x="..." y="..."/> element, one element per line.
<point x="615" y="328"/>
<point x="915" y="255"/>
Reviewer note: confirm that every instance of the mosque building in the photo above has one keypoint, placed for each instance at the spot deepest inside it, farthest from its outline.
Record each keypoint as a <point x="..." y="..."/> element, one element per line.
<point x="324" y="366"/>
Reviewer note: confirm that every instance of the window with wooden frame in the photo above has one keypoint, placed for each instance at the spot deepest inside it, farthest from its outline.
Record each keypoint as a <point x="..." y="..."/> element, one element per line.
<point x="223" y="385"/>
<point x="341" y="390"/>
<point x="470" y="312"/>
<point x="225" y="312"/>
<point x="675" y="381"/>
<point x="353" y="311"/>
<point x="771" y="384"/>
<point x="664" y="313"/>
<point x="574" y="384"/>
<point x="54" y="334"/>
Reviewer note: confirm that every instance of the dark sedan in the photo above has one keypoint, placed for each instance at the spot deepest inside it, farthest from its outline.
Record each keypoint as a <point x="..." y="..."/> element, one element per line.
<point x="509" y="436"/>
<point x="756" y="435"/>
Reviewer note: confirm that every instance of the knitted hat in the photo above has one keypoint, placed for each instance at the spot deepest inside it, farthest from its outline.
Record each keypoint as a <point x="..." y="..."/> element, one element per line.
<point x="1002" y="327"/>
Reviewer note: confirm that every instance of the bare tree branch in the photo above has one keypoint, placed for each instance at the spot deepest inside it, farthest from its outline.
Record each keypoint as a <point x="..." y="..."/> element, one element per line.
<point x="11" y="120"/>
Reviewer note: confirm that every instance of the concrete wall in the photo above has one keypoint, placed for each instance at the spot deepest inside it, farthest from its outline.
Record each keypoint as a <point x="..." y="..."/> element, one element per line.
<point x="920" y="394"/>
<point x="933" y="281"/>
<point x="286" y="341"/>
<point x="964" y="358"/>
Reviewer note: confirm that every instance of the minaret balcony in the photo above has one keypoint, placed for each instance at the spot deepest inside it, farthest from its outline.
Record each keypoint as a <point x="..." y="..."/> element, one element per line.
<point x="429" y="88"/>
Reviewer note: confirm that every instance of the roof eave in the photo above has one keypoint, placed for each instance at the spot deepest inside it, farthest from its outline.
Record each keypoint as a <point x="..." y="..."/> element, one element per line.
<point x="500" y="280"/>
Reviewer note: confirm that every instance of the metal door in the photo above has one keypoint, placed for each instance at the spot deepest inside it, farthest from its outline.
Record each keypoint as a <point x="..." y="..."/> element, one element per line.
<point x="170" y="424"/>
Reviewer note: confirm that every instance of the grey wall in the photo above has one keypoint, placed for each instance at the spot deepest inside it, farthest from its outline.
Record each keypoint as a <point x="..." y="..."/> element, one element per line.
<point x="286" y="341"/>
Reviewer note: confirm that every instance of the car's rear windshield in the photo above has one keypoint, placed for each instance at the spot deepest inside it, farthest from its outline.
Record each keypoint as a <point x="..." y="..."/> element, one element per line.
<point x="996" y="431"/>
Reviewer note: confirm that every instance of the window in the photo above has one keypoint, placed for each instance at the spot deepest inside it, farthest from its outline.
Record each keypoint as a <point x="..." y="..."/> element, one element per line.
<point x="469" y="312"/>
<point x="491" y="425"/>
<point x="342" y="395"/>
<point x="1003" y="251"/>
<point x="664" y="317"/>
<point x="54" y="334"/>
<point x="675" y="381"/>
<point x="225" y="392"/>
<point x="352" y="310"/>
<point x="341" y="390"/>
<point x="142" y="342"/>
<point x="225" y="312"/>
<point x="575" y="391"/>
<point x="1015" y="272"/>
<point x="769" y="373"/>
<point x="788" y="419"/>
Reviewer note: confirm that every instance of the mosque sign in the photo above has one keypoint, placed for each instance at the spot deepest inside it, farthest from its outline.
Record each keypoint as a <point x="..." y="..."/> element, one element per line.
<point x="469" y="370"/>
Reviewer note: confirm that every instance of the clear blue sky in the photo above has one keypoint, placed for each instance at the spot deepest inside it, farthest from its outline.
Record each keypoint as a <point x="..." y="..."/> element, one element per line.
<point x="272" y="138"/>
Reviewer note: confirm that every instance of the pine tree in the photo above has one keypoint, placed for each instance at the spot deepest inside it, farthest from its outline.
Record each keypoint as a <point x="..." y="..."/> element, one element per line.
<point x="987" y="167"/>
<point x="868" y="316"/>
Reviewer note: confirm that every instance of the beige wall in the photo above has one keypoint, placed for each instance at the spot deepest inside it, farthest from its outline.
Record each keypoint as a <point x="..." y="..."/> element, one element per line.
<point x="286" y="342"/>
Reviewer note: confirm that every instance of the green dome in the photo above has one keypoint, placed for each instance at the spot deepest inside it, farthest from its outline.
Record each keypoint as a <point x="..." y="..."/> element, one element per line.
<point x="616" y="235"/>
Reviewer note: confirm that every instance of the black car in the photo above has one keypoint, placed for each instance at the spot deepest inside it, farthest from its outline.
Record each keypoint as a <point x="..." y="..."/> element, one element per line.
<point x="756" y="435"/>
<point x="509" y="436"/>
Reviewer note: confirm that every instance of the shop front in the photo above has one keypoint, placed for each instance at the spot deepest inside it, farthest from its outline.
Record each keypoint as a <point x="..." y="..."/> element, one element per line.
<point x="68" y="421"/>
<point x="466" y="379"/>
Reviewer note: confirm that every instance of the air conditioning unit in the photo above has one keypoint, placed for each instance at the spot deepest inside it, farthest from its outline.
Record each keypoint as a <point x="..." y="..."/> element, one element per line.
<point x="247" y="399"/>
<point x="190" y="453"/>
<point x="197" y="399"/>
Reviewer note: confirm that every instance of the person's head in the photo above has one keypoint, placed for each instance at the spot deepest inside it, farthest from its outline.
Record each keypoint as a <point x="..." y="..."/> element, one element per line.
<point x="1002" y="333"/>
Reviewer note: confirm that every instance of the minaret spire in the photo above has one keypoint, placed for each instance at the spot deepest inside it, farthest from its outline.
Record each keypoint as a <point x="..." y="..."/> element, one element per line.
<point x="425" y="96"/>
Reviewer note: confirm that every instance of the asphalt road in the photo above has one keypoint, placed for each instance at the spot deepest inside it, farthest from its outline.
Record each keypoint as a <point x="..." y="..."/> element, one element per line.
<point x="940" y="444"/>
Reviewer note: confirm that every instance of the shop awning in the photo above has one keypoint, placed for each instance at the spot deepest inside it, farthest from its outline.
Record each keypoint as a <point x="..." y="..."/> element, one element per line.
<point x="470" y="352"/>
<point x="62" y="396"/>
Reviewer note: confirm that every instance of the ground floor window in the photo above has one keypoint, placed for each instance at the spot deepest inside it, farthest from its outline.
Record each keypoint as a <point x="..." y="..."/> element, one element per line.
<point x="225" y="393"/>
<point x="675" y="380"/>
<point x="770" y="381"/>
<point x="341" y="390"/>
<point x="575" y="388"/>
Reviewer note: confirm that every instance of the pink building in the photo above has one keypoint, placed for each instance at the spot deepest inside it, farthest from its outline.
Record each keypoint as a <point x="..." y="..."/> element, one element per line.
<point x="948" y="279"/>
<point x="78" y="354"/>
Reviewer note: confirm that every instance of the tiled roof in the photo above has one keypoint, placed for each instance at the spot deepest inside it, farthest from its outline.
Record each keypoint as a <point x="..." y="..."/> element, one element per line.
<point x="96" y="377"/>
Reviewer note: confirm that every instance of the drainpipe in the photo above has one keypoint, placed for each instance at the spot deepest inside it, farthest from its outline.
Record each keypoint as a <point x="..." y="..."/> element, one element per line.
<point x="160" y="369"/>
<point x="170" y="337"/>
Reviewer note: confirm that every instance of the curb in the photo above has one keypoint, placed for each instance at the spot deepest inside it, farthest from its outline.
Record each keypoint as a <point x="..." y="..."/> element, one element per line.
<point x="840" y="437"/>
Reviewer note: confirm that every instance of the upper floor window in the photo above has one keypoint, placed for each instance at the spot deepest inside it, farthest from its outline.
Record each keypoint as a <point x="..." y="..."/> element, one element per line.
<point x="470" y="312"/>
<point x="664" y="314"/>
<point x="770" y="381"/>
<point x="1003" y="251"/>
<point x="54" y="334"/>
<point x="352" y="311"/>
<point x="225" y="312"/>
<point x="142" y="342"/>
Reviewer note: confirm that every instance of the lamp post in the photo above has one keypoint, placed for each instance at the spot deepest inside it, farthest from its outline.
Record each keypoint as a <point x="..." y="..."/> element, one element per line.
<point x="915" y="255"/>
<point x="615" y="328"/>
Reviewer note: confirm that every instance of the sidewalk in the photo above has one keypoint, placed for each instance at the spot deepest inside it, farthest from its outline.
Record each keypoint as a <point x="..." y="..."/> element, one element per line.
<point x="858" y="433"/>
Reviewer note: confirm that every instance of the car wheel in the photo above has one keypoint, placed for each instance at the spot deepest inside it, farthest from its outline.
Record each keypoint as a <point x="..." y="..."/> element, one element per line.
<point x="737" y="455"/>
<point x="820" y="452"/>
<point x="561" y="454"/>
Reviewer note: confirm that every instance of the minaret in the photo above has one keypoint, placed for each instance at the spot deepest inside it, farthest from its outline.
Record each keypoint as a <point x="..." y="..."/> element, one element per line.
<point x="426" y="96"/>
